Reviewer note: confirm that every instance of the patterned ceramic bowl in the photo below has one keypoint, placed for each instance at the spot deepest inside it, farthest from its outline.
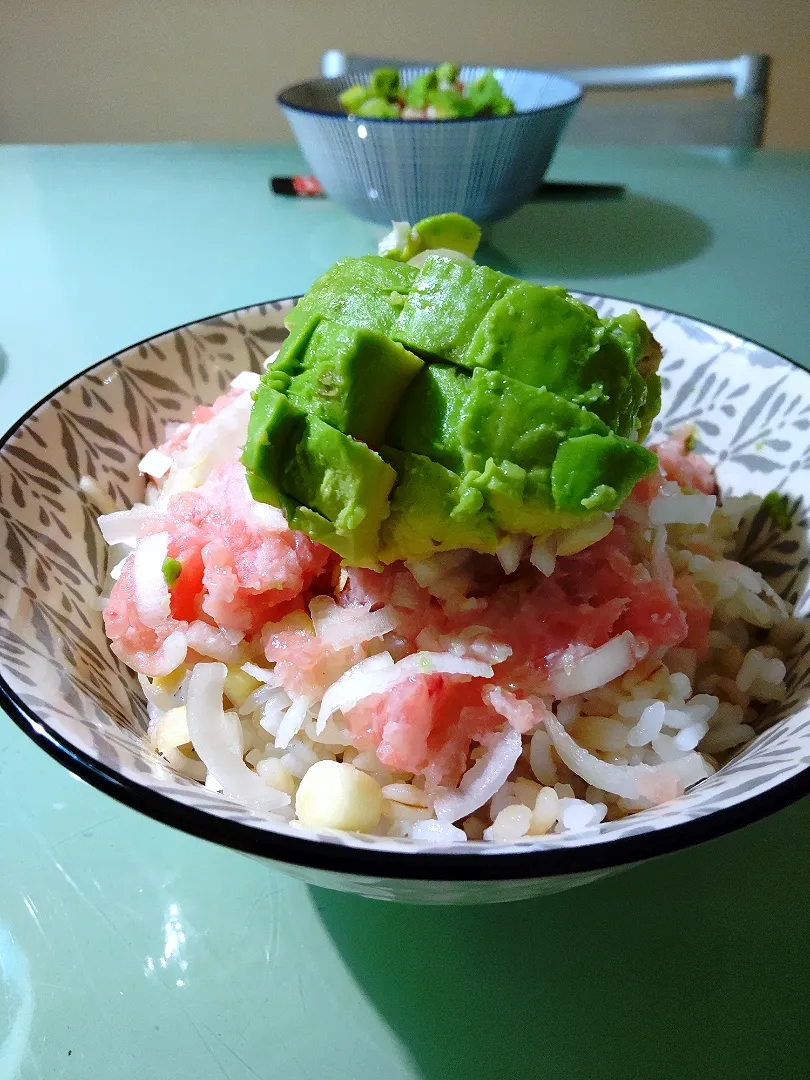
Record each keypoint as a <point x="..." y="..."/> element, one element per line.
<point x="61" y="684"/>
<point x="404" y="170"/>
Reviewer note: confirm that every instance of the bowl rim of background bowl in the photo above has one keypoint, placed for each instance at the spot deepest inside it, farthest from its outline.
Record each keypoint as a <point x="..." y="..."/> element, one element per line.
<point x="372" y="862"/>
<point x="578" y="93"/>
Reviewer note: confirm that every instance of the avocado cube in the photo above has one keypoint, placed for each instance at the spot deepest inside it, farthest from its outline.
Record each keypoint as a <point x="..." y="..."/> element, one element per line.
<point x="384" y="83"/>
<point x="546" y="337"/>
<point x="445" y="305"/>
<point x="450" y="104"/>
<point x="644" y="353"/>
<point x="275" y="428"/>
<point x="427" y="419"/>
<point x="352" y="379"/>
<point x="540" y="335"/>
<point x="508" y="420"/>
<point x="377" y="108"/>
<point x="353" y="97"/>
<point x="431" y="511"/>
<point x="367" y="293"/>
<point x="416" y="92"/>
<point x="486" y="95"/>
<point x="344" y="481"/>
<point x="598" y="472"/>
<point x="453" y="231"/>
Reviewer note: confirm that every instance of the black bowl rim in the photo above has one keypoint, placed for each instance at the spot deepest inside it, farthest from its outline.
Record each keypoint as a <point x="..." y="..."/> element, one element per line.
<point x="371" y="862"/>
<point x="562" y="105"/>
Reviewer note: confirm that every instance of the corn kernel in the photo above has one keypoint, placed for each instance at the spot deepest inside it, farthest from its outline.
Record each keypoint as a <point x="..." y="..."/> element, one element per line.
<point x="334" y="795"/>
<point x="171" y="730"/>
<point x="544" y="814"/>
<point x="239" y="686"/>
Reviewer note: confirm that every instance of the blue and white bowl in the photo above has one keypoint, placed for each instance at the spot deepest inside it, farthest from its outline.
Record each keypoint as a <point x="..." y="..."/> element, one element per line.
<point x="62" y="685"/>
<point x="404" y="170"/>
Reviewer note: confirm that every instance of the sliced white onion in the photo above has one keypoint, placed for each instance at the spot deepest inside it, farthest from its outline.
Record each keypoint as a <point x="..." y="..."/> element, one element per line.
<point x="682" y="509"/>
<point x="339" y="627"/>
<point x="211" y="444"/>
<point x="291" y="724"/>
<point x="446" y="253"/>
<point x="379" y="673"/>
<point x="436" y="832"/>
<point x="155" y="464"/>
<point x="219" y="644"/>
<point x="627" y="781"/>
<point x="213" y="739"/>
<point x="510" y="551"/>
<point x="486" y="777"/>
<point x="544" y="555"/>
<point x="396" y="239"/>
<point x="260" y="674"/>
<point x="370" y="676"/>
<point x="123" y="526"/>
<point x="577" y="675"/>
<point x="152" y="597"/>
<point x="169" y="657"/>
<point x="246" y="380"/>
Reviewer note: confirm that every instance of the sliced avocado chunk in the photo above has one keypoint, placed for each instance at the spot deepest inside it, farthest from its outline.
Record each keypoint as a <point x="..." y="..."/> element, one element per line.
<point x="353" y="97"/>
<point x="445" y="305"/>
<point x="377" y="108"/>
<point x="508" y="420"/>
<point x="416" y="92"/>
<point x="446" y="73"/>
<point x="317" y="528"/>
<point x="644" y="353"/>
<point x="344" y="481"/>
<point x="486" y="95"/>
<point x="276" y="426"/>
<point x="384" y="83"/>
<point x="430" y="512"/>
<point x="449" y="104"/>
<point x="546" y="337"/>
<point x="453" y="231"/>
<point x="427" y="419"/>
<point x="519" y="500"/>
<point x="290" y="356"/>
<point x="598" y="472"/>
<point x="358" y="292"/>
<point x="352" y="379"/>
<point x="538" y="334"/>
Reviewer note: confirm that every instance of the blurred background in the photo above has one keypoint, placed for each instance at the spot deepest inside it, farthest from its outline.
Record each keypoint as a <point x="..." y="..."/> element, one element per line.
<point x="164" y="70"/>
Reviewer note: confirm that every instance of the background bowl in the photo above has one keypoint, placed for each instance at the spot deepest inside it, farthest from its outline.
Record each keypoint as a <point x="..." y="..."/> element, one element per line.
<point x="63" y="686"/>
<point x="404" y="170"/>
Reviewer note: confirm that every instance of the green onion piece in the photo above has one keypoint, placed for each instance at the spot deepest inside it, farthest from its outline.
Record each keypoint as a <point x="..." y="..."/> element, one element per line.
<point x="171" y="571"/>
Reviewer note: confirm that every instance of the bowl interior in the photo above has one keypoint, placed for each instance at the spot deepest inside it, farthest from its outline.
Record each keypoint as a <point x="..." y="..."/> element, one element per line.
<point x="60" y="681"/>
<point x="530" y="90"/>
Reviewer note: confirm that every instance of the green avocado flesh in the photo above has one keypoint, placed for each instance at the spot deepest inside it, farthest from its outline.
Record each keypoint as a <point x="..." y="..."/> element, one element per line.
<point x="412" y="410"/>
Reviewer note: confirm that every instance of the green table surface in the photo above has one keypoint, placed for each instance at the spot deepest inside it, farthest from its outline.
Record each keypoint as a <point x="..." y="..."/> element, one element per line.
<point x="128" y="950"/>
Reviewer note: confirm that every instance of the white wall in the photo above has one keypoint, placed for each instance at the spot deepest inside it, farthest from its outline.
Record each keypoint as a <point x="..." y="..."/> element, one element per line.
<point x="122" y="70"/>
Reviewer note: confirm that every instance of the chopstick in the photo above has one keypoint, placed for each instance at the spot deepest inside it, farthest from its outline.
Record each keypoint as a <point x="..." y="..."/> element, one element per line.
<point x="308" y="187"/>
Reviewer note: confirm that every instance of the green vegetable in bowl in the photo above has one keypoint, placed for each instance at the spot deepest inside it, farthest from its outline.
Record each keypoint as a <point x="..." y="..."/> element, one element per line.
<point x="433" y="95"/>
<point x="378" y="108"/>
<point x="416" y="92"/>
<point x="384" y="83"/>
<point x="353" y="97"/>
<point x="486" y="94"/>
